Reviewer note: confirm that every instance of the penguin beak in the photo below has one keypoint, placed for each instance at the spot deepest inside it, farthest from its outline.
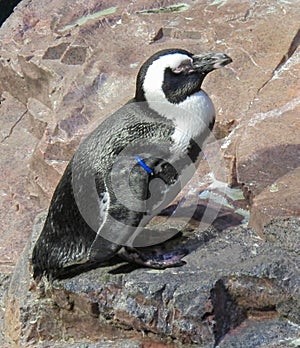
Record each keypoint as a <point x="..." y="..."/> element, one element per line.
<point x="210" y="61"/>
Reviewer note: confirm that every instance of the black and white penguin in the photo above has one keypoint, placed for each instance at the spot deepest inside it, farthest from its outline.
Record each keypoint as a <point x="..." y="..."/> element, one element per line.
<point x="129" y="169"/>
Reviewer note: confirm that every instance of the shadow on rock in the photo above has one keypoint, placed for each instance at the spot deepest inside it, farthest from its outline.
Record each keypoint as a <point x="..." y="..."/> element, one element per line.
<point x="185" y="241"/>
<point x="263" y="168"/>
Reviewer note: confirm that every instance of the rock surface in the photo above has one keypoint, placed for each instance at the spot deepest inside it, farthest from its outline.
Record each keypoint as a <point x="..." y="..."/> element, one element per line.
<point x="63" y="68"/>
<point x="57" y="83"/>
<point x="234" y="288"/>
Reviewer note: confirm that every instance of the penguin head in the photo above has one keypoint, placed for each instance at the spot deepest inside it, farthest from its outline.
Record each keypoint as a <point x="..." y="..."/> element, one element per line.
<point x="173" y="75"/>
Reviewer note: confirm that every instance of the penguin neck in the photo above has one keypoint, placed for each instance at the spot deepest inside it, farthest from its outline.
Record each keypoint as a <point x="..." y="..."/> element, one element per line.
<point x="193" y="118"/>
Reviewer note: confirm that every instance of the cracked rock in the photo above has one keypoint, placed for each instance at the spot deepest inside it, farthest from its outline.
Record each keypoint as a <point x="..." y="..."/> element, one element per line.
<point x="230" y="283"/>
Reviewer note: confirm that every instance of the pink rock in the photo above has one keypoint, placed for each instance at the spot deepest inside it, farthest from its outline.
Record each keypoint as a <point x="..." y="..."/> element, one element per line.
<point x="70" y="65"/>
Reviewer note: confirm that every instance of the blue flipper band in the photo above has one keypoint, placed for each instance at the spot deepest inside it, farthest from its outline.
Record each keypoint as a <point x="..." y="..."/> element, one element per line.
<point x="143" y="165"/>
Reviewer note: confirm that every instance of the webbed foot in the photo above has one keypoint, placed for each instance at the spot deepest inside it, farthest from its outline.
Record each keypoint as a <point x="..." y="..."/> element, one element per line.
<point x="153" y="258"/>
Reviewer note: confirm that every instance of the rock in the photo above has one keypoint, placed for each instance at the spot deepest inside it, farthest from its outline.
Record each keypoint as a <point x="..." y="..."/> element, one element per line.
<point x="57" y="69"/>
<point x="266" y="143"/>
<point x="270" y="334"/>
<point x="19" y="203"/>
<point x="57" y="83"/>
<point x="103" y="344"/>
<point x="278" y="199"/>
<point x="232" y="281"/>
<point x="4" y="284"/>
<point x="269" y="169"/>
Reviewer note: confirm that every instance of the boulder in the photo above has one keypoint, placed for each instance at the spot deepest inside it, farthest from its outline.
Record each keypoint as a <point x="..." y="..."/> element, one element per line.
<point x="233" y="284"/>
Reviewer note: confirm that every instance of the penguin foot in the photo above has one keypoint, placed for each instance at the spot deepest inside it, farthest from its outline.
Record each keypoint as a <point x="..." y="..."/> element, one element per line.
<point x="152" y="258"/>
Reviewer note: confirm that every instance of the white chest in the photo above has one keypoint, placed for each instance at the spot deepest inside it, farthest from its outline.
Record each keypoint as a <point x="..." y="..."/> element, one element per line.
<point x="191" y="117"/>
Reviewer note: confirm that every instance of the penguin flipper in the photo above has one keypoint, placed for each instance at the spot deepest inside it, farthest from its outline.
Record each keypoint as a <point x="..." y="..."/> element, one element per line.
<point x="119" y="221"/>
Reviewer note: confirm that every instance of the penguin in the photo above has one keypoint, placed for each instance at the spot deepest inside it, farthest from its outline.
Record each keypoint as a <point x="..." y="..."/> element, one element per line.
<point x="129" y="169"/>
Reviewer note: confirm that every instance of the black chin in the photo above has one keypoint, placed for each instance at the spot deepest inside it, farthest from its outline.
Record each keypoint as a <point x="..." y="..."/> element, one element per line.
<point x="177" y="87"/>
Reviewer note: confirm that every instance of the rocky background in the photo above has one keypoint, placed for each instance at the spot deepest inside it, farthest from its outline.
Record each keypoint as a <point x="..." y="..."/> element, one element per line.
<point x="65" y="66"/>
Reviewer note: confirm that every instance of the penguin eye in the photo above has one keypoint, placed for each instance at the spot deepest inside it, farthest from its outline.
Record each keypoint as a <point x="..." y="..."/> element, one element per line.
<point x="184" y="67"/>
<point x="178" y="70"/>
